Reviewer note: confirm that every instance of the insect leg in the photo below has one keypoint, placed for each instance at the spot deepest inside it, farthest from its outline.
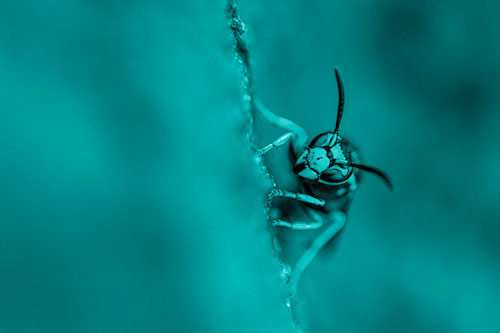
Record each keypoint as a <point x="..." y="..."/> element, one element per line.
<point x="299" y="139"/>
<point x="275" y="144"/>
<point x="297" y="225"/>
<point x="339" y="219"/>
<point x="276" y="192"/>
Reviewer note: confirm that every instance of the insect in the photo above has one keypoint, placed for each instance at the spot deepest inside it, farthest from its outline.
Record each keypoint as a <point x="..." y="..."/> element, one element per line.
<point x="327" y="171"/>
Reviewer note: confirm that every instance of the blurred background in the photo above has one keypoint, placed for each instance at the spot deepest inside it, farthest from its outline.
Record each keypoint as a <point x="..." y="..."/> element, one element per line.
<point x="130" y="201"/>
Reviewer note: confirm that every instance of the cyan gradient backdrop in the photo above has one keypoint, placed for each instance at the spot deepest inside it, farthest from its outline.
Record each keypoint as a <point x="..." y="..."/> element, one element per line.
<point x="129" y="201"/>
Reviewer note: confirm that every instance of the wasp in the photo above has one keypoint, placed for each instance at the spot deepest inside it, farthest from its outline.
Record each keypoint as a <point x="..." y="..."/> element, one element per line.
<point x="327" y="170"/>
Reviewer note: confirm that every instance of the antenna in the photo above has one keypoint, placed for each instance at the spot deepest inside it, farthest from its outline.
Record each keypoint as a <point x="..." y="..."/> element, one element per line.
<point x="376" y="171"/>
<point x="340" y="109"/>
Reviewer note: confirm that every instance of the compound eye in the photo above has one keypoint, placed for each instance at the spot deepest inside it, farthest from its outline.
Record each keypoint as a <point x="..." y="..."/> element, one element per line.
<point x="336" y="174"/>
<point x="323" y="140"/>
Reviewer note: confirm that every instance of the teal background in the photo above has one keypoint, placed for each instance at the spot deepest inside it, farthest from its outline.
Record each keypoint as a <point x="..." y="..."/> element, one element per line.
<point x="130" y="202"/>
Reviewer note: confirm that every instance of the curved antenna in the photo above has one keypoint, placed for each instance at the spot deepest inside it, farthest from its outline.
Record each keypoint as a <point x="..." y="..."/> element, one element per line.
<point x="340" y="109"/>
<point x="376" y="171"/>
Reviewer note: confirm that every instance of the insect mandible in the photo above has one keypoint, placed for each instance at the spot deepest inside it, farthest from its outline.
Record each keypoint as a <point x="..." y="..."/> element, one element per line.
<point x="328" y="170"/>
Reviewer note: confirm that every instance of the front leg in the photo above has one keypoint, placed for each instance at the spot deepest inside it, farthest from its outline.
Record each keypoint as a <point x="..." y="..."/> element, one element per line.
<point x="300" y="135"/>
<point x="276" y="192"/>
<point x="313" y="225"/>
<point x="275" y="144"/>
